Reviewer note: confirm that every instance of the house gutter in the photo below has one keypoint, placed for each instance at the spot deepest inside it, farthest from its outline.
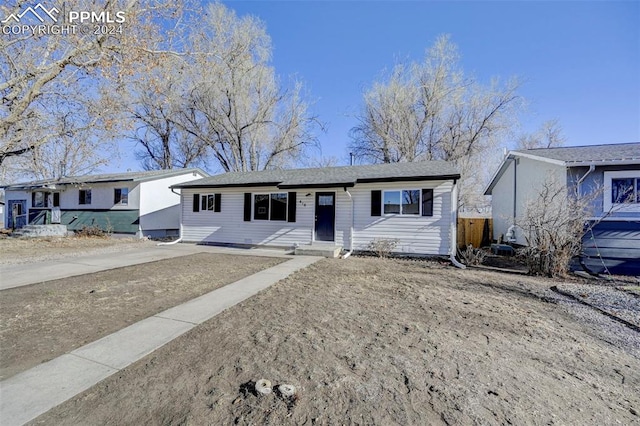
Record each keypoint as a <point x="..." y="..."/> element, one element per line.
<point x="347" y="254"/>
<point x="454" y="227"/>
<point x="180" y="231"/>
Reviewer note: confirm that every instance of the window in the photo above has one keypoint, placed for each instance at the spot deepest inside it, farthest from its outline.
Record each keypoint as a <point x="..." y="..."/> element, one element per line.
<point x="405" y="202"/>
<point x="207" y="202"/>
<point x="270" y="206"/>
<point x="121" y="196"/>
<point x="261" y="207"/>
<point x="625" y="191"/>
<point x="39" y="199"/>
<point x="84" y="196"/>
<point x="622" y="191"/>
<point x="279" y="206"/>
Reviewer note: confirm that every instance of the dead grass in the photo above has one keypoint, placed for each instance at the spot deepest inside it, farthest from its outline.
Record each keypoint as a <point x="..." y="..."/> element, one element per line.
<point x="390" y="342"/>
<point x="25" y="250"/>
<point x="42" y="321"/>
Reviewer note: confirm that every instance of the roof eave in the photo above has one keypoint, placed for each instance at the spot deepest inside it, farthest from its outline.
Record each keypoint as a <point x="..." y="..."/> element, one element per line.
<point x="455" y="176"/>
<point x="317" y="185"/>
<point x="226" y="185"/>
<point x="623" y="162"/>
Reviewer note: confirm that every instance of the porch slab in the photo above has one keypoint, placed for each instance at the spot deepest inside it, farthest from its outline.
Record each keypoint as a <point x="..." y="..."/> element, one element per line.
<point x="319" y="249"/>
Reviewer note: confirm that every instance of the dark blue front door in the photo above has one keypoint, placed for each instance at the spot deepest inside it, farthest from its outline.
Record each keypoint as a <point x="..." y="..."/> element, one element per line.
<point x="325" y="216"/>
<point x="16" y="213"/>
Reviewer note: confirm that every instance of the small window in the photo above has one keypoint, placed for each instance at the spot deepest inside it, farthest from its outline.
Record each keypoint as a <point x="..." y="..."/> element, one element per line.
<point x="624" y="191"/>
<point x="208" y="202"/>
<point x="121" y="196"/>
<point x="261" y="207"/>
<point x="84" y="196"/>
<point x="39" y="200"/>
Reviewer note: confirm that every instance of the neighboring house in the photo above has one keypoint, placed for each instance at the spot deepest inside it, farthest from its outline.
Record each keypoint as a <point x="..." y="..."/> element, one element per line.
<point x="349" y="207"/>
<point x="610" y="170"/>
<point x="139" y="203"/>
<point x="1" y="209"/>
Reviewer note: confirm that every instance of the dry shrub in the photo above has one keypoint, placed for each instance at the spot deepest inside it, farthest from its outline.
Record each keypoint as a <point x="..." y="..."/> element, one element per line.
<point x="471" y="255"/>
<point x="92" y="232"/>
<point x="382" y="247"/>
<point x="553" y="224"/>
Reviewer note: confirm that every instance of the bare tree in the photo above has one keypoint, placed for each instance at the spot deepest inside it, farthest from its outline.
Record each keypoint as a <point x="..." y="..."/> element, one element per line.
<point x="156" y="101"/>
<point x="48" y="78"/>
<point x="236" y="105"/>
<point x="548" y="136"/>
<point x="432" y="111"/>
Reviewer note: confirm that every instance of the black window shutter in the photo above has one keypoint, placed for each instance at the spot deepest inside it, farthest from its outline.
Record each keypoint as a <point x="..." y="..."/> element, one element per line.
<point x="33" y="199"/>
<point x="247" y="207"/>
<point x="291" y="207"/>
<point x="56" y="199"/>
<point x="376" y="203"/>
<point x="427" y="202"/>
<point x="117" y="195"/>
<point x="217" y="202"/>
<point x="196" y="202"/>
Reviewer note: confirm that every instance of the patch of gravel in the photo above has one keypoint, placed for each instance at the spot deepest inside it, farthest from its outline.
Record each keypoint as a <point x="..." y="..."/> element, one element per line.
<point x="610" y="300"/>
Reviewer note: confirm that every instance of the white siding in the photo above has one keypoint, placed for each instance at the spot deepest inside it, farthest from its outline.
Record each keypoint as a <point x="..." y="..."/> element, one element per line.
<point x="101" y="196"/>
<point x="159" y="206"/>
<point x="228" y="225"/>
<point x="416" y="234"/>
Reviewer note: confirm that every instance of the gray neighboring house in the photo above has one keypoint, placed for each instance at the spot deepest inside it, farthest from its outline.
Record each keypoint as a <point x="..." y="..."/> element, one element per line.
<point x="614" y="243"/>
<point x="348" y="207"/>
<point x="135" y="203"/>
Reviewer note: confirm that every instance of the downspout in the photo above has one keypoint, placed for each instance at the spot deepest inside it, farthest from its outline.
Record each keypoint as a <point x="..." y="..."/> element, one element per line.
<point x="347" y="254"/>
<point x="510" y="236"/>
<point x="180" y="231"/>
<point x="454" y="227"/>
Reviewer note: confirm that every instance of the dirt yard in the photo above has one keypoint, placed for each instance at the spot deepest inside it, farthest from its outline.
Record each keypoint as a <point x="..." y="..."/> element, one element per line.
<point x="368" y="341"/>
<point x="42" y="321"/>
<point x="25" y="250"/>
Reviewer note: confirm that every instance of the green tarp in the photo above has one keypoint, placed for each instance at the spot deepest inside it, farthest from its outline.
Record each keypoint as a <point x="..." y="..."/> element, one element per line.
<point x="116" y="221"/>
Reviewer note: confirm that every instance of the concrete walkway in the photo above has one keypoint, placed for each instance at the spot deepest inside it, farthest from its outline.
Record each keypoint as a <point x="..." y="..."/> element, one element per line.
<point x="37" y="272"/>
<point x="31" y="393"/>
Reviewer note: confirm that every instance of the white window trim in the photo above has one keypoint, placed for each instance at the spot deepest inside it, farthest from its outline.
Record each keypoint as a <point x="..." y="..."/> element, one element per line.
<point x="253" y="207"/>
<point x="213" y="206"/>
<point x="403" y="214"/>
<point x="85" y="198"/>
<point x="607" y="205"/>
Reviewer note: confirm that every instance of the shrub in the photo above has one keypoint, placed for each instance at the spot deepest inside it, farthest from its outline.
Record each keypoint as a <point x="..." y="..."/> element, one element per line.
<point x="382" y="247"/>
<point x="472" y="255"/>
<point x="92" y="231"/>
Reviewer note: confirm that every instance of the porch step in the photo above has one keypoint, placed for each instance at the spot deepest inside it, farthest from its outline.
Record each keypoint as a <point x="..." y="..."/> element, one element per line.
<point x="318" y="249"/>
<point x="41" y="231"/>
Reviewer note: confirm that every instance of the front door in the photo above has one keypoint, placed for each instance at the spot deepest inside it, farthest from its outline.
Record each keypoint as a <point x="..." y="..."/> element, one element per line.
<point x="325" y="216"/>
<point x="17" y="213"/>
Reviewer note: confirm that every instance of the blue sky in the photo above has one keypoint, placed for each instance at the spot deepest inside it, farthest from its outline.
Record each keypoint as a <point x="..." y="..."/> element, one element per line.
<point x="580" y="61"/>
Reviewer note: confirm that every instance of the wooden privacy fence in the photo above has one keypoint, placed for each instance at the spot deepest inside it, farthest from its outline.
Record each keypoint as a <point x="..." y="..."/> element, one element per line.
<point x="477" y="231"/>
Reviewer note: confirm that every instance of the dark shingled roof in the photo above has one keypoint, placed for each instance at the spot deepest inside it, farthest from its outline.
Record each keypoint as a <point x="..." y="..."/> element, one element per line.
<point x="111" y="177"/>
<point x="330" y="176"/>
<point x="591" y="153"/>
